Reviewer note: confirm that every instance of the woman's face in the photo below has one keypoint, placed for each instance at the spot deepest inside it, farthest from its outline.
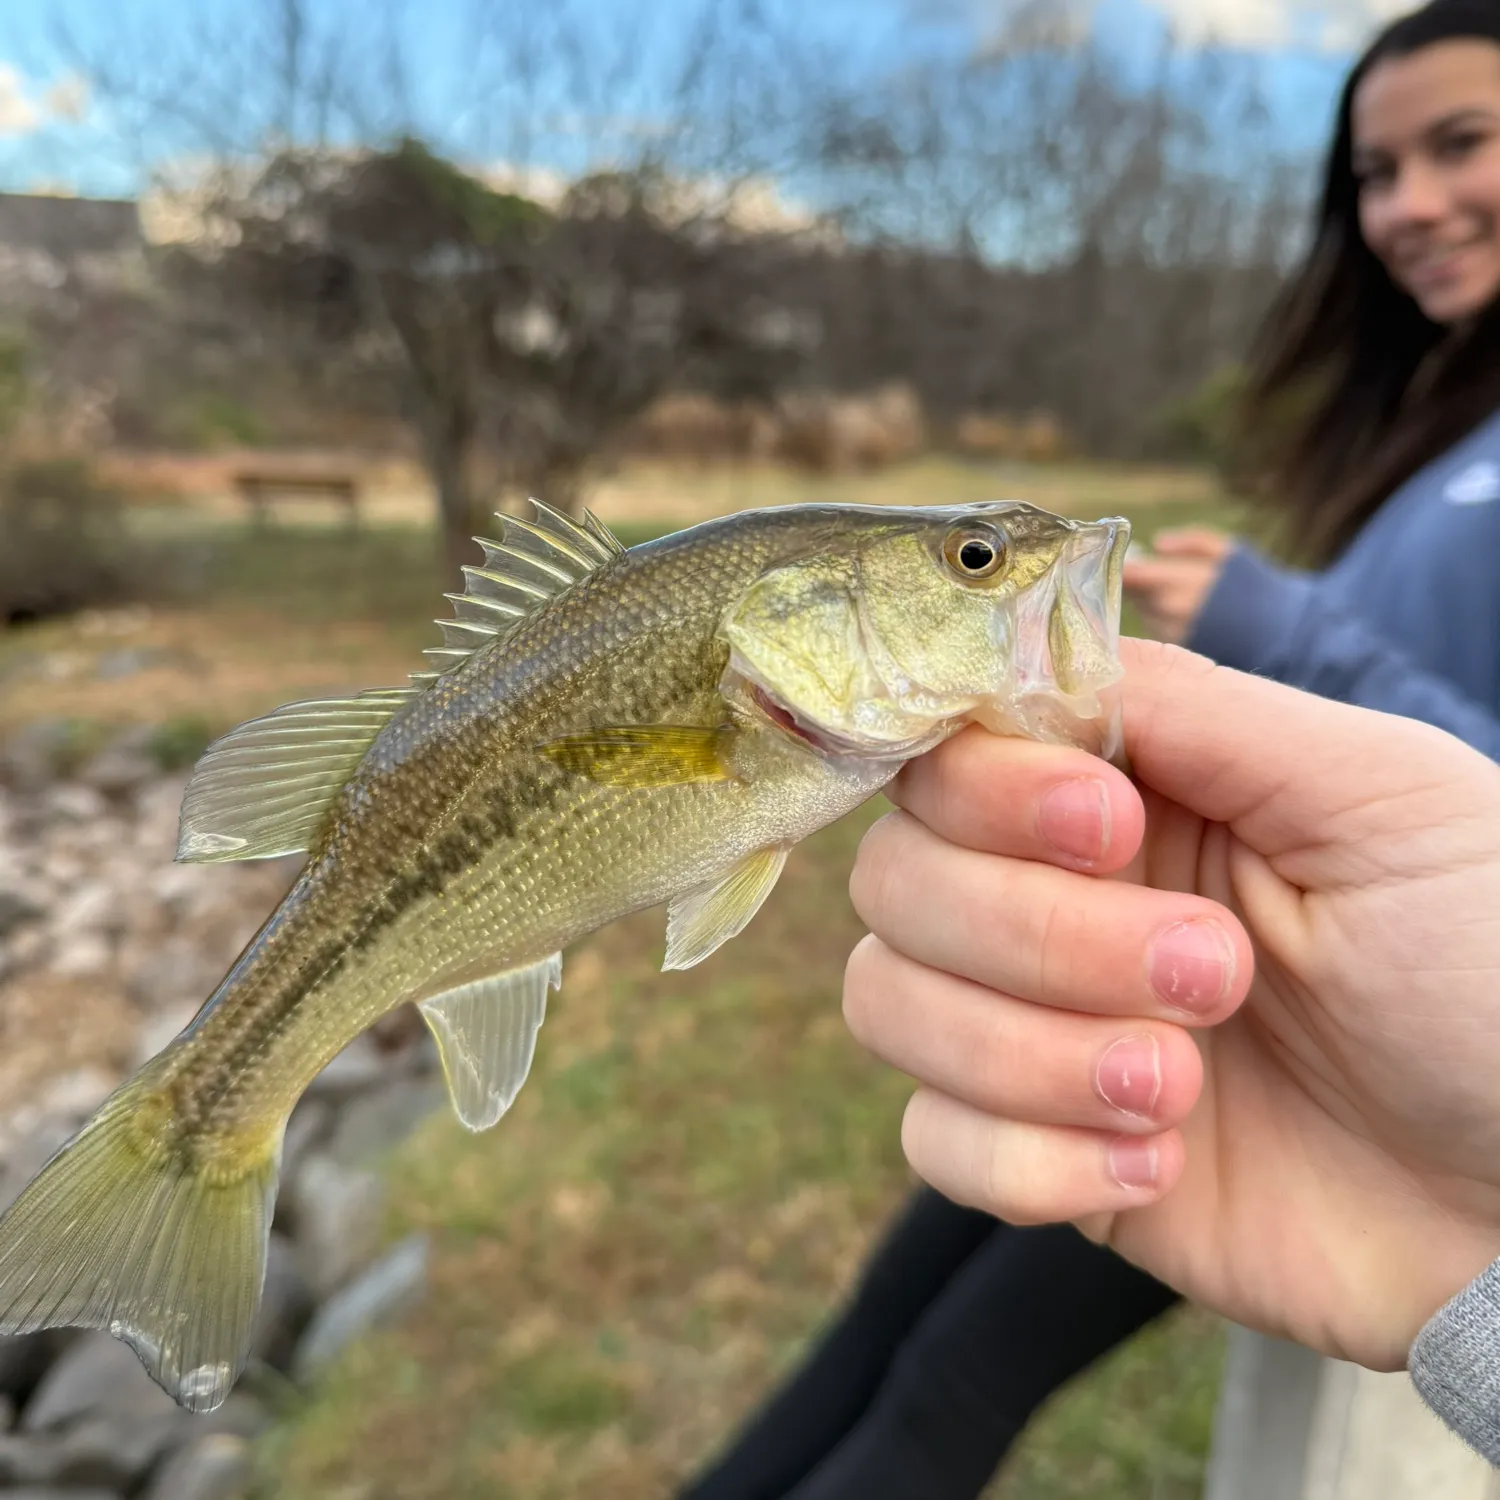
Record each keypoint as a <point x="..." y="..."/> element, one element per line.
<point x="1426" y="155"/>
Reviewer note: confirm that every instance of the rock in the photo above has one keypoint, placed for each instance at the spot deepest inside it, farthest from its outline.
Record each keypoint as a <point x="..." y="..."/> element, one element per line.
<point x="73" y="802"/>
<point x="310" y="1122"/>
<point x="91" y="907"/>
<point x="116" y="1452"/>
<point x="7" y="1414"/>
<point x="73" y="1096"/>
<point x="40" y="1144"/>
<point x="96" y="1375"/>
<point x="336" y="1212"/>
<point x="359" y="1066"/>
<point x="161" y="1028"/>
<point x="81" y="955"/>
<point x="373" y="1124"/>
<point x="286" y="1303"/>
<point x="388" y="1288"/>
<point x="171" y="973"/>
<point x="30" y="757"/>
<point x="123" y="767"/>
<point x="16" y="909"/>
<point x="30" y="1492"/>
<point x="219" y="1466"/>
<point x="241" y="1415"/>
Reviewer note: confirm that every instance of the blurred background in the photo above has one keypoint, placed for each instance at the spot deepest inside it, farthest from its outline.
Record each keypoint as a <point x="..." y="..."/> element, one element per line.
<point x="292" y="294"/>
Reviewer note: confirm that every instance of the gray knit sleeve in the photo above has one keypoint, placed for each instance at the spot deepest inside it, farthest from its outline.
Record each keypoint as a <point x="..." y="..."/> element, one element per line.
<point x="1455" y="1363"/>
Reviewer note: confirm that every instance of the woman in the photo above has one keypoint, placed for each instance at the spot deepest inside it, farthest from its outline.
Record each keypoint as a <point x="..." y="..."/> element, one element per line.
<point x="1389" y="339"/>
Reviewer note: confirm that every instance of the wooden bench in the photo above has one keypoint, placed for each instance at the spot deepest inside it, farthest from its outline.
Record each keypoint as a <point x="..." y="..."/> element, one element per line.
<point x="257" y="487"/>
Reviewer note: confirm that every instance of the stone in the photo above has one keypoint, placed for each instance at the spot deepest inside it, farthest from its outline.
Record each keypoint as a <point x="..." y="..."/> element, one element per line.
<point x="116" y="1452"/>
<point x="375" y="1123"/>
<point x="7" y="1414"/>
<point x="286" y="1303"/>
<point x="72" y="802"/>
<point x="16" y="909"/>
<point x="31" y="1492"/>
<point x="96" y="1375"/>
<point x="385" y="1290"/>
<point x="359" y="1066"/>
<point x="162" y="1027"/>
<point x="123" y="767"/>
<point x="81" y="955"/>
<point x="75" y="1095"/>
<point x="91" y="907"/>
<point x="172" y="972"/>
<point x="219" y="1466"/>
<point x="309" y="1125"/>
<point x="336" y="1212"/>
<point x="29" y="757"/>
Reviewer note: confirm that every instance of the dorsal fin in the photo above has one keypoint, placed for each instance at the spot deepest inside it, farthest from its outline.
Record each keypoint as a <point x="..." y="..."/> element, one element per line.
<point x="533" y="562"/>
<point x="265" y="788"/>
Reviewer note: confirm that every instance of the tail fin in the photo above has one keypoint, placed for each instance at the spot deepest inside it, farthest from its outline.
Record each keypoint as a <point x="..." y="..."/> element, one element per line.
<point x="127" y="1231"/>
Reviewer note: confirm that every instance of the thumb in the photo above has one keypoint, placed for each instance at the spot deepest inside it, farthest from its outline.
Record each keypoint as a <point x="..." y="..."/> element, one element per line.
<point x="1282" y="765"/>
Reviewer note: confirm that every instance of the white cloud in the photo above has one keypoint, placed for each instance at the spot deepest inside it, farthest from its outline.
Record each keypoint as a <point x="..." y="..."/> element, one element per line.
<point x="1333" y="25"/>
<point x="1328" y="25"/>
<point x="18" y="115"/>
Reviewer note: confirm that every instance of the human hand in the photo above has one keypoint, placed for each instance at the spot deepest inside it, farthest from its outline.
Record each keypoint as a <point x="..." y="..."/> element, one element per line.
<point x="1171" y="585"/>
<point x="1290" y="989"/>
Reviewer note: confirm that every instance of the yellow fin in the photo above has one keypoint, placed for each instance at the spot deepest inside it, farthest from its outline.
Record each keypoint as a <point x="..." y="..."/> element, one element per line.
<point x="265" y="788"/>
<point x="486" y="1037"/>
<point x="700" y="920"/>
<point x="126" y="1231"/>
<point x="645" y="755"/>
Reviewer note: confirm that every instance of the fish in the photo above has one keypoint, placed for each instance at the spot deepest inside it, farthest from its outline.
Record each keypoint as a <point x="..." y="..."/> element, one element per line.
<point x="602" y="730"/>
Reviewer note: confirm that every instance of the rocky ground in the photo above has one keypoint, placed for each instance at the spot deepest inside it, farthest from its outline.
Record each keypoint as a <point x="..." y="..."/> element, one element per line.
<point x="106" y="950"/>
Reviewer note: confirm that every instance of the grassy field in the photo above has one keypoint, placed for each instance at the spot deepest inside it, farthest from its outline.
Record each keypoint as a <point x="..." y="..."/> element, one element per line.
<point x="692" y="1176"/>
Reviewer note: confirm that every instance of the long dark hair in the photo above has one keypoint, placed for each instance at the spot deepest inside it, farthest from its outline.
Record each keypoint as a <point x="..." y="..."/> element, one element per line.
<point x="1339" y="356"/>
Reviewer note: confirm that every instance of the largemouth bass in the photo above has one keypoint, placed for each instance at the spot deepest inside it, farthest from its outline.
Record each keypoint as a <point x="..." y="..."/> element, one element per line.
<point x="603" y="730"/>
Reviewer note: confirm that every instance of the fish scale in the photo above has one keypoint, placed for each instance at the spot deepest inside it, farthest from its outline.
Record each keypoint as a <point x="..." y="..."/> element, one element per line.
<point x="606" y="730"/>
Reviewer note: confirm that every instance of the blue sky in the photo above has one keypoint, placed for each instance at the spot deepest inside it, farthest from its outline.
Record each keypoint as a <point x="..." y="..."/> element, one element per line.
<point x="1300" y="51"/>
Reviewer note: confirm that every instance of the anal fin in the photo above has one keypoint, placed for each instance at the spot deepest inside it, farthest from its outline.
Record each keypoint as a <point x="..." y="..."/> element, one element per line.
<point x="486" y="1037"/>
<point x="702" y="919"/>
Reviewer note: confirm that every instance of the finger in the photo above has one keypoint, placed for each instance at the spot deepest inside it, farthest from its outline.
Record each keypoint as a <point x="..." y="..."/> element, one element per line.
<point x="1288" y="769"/>
<point x="1034" y="1174"/>
<point x="1030" y="800"/>
<point x="1010" y="1058"/>
<point x="1189" y="541"/>
<point x="1053" y="937"/>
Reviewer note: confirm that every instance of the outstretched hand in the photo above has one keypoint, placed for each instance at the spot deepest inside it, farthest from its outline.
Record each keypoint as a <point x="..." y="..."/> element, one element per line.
<point x="1242" y="1024"/>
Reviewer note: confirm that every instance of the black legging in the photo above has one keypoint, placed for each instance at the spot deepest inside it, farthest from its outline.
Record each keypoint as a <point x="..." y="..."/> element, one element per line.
<point x="962" y="1326"/>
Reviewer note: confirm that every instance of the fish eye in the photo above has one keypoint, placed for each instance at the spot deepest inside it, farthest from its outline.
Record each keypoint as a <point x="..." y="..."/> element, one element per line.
<point x="976" y="551"/>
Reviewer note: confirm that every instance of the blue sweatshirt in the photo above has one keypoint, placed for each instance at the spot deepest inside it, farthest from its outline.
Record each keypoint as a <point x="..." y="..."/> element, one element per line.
<point x="1407" y="621"/>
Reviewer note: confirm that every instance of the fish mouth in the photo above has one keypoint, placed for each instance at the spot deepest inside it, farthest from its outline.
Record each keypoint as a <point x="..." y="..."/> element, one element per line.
<point x="789" y="721"/>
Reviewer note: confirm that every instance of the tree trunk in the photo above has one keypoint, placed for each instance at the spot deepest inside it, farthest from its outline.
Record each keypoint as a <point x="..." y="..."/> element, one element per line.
<point x="446" y="438"/>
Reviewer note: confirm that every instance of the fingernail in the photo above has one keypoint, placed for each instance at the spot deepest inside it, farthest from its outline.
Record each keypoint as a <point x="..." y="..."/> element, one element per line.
<point x="1133" y="1162"/>
<point x="1129" y="1075"/>
<point x="1074" y="818"/>
<point x="1191" y="965"/>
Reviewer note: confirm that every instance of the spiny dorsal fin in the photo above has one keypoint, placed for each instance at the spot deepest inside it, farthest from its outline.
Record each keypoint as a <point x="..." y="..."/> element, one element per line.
<point x="533" y="562"/>
<point x="265" y="788"/>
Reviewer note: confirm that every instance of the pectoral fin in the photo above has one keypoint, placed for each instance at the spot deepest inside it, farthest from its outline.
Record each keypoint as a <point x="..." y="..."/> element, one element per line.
<point x="646" y="755"/>
<point x="700" y="920"/>
<point x="486" y="1037"/>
